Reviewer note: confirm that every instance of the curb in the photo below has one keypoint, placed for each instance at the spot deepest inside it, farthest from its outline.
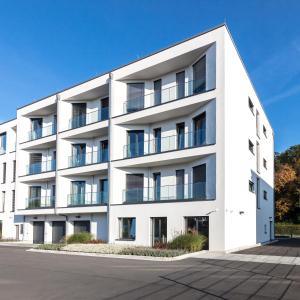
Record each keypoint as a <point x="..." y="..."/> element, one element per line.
<point x="133" y="257"/>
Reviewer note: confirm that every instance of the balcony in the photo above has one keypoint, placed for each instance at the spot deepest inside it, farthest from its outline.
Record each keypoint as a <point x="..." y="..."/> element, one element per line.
<point x="90" y="158"/>
<point x="194" y="191"/>
<point x="40" y="202"/>
<point x="2" y="150"/>
<point x="164" y="144"/>
<point x="41" y="167"/>
<point x="171" y="93"/>
<point x="89" y="118"/>
<point x="41" y="132"/>
<point x="100" y="198"/>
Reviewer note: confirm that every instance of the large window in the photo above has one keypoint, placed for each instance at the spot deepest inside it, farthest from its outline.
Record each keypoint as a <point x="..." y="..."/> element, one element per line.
<point x="135" y="96"/>
<point x="180" y="83"/>
<point x="78" y="155"/>
<point x="78" y="115"/>
<point x="157" y="140"/>
<point x="134" y="188"/>
<point x="135" y="143"/>
<point x="200" y="129"/>
<point x="157" y="186"/>
<point x="2" y="206"/>
<point x="180" y="135"/>
<point x="157" y="91"/>
<point x="197" y="225"/>
<point x="199" y="71"/>
<point x="13" y="200"/>
<point x="14" y="171"/>
<point x="127" y="228"/>
<point x="3" y="172"/>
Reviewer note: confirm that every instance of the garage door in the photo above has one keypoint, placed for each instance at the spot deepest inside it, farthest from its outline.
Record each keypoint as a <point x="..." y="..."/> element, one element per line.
<point x="38" y="232"/>
<point x="82" y="226"/>
<point x="58" y="231"/>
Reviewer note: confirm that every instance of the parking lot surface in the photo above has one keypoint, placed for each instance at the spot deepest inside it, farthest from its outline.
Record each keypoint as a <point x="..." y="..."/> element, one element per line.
<point x="26" y="275"/>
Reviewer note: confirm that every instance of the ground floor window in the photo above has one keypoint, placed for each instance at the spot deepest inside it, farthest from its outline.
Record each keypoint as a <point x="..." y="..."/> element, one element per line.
<point x="82" y="226"/>
<point x="127" y="228"/>
<point x="197" y="225"/>
<point x="159" y="231"/>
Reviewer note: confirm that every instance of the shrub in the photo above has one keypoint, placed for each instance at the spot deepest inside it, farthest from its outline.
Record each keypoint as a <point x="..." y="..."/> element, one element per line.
<point x="189" y="242"/>
<point x="160" y="245"/>
<point x="144" y="251"/>
<point x="50" y="246"/>
<point x="79" y="238"/>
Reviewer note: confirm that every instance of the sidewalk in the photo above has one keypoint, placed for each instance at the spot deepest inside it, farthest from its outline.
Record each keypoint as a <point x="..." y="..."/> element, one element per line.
<point x="286" y="260"/>
<point x="16" y="244"/>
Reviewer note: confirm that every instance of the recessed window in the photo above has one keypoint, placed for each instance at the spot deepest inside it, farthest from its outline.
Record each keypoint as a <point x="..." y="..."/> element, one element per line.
<point x="265" y="195"/>
<point x="265" y="163"/>
<point x="127" y="228"/>
<point x="257" y="124"/>
<point x="251" y="106"/>
<point x="251" y="147"/>
<point x="251" y="186"/>
<point x="265" y="131"/>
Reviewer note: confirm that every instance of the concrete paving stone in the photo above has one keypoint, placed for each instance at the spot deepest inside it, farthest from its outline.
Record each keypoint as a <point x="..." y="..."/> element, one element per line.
<point x="294" y="274"/>
<point x="293" y="292"/>
<point x="248" y="288"/>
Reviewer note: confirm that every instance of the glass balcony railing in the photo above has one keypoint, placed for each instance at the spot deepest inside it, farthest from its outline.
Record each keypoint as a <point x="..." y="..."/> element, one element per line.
<point x="41" y="167"/>
<point x="166" y="143"/>
<point x="2" y="150"/>
<point x="96" y="198"/>
<point x="89" y="158"/>
<point x="89" y="118"/>
<point x="41" y="132"/>
<point x="40" y="202"/>
<point x="171" y="93"/>
<point x="194" y="191"/>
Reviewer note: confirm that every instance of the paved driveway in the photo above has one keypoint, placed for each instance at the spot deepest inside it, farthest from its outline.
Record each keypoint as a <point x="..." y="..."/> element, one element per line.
<point x="30" y="276"/>
<point x="284" y="247"/>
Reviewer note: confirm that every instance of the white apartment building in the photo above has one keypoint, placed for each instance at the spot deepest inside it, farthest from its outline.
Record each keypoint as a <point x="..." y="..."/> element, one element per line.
<point x="174" y="142"/>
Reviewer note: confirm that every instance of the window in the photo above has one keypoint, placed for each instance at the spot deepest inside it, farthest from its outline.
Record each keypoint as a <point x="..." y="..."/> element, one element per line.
<point x="159" y="231"/>
<point x="13" y="200"/>
<point x="135" y="143"/>
<point x="265" y="195"/>
<point x="251" y="186"/>
<point x="180" y="184"/>
<point x="127" y="228"/>
<point x="14" y="171"/>
<point x="257" y="124"/>
<point x="3" y="202"/>
<point x="157" y="186"/>
<point x="265" y="163"/>
<point x="257" y="193"/>
<point x="265" y="131"/>
<point x="251" y="147"/>
<point x="180" y="83"/>
<point x="78" y="115"/>
<point x="104" y="109"/>
<point x="103" y="151"/>
<point x="2" y="143"/>
<point x="265" y="228"/>
<point x="180" y="135"/>
<point x="200" y="129"/>
<point x="157" y="91"/>
<point x="157" y="140"/>
<point x="3" y="172"/>
<point x="251" y="106"/>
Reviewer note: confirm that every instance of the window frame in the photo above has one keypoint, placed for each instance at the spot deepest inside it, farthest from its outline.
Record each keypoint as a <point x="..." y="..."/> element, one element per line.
<point x="129" y="224"/>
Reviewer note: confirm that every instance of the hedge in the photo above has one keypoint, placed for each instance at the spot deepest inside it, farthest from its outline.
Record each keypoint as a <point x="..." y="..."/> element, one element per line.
<point x="287" y="229"/>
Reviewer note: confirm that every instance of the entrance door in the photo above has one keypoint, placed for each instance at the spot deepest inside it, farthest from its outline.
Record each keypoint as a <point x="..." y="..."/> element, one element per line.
<point x="82" y="226"/>
<point x="58" y="231"/>
<point x="38" y="232"/>
<point x="17" y="233"/>
<point x="159" y="230"/>
<point x="78" y="155"/>
<point x="199" y="181"/>
<point x="36" y="128"/>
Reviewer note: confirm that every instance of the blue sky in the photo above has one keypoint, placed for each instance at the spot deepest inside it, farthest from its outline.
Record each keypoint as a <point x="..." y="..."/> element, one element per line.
<point x="46" y="46"/>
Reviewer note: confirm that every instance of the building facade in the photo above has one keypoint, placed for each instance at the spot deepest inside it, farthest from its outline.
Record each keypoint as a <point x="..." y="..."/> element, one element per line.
<point x="174" y="142"/>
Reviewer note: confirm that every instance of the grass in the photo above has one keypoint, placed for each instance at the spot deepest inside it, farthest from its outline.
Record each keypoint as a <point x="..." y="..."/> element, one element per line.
<point x="56" y="247"/>
<point x="80" y="238"/>
<point x="188" y="242"/>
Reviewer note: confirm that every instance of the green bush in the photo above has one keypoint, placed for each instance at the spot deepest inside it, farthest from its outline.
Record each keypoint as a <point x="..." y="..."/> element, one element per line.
<point x="144" y="251"/>
<point x="189" y="242"/>
<point x="287" y="229"/>
<point x="79" y="238"/>
<point x="50" y="246"/>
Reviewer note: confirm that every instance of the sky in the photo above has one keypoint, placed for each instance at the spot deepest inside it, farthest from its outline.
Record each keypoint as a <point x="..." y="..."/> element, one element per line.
<point x="48" y="45"/>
